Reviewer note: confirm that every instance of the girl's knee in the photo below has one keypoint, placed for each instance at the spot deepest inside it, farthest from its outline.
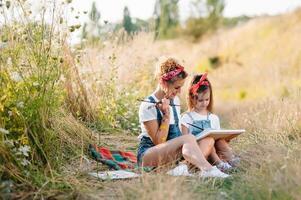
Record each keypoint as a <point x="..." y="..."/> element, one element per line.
<point x="209" y="140"/>
<point x="221" y="142"/>
<point x="222" y="145"/>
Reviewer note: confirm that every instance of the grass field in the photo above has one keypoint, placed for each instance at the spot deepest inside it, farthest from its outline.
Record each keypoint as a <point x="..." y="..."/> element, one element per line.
<point x="55" y="101"/>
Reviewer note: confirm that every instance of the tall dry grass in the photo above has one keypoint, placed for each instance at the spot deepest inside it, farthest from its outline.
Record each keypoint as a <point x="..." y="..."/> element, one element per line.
<point x="256" y="87"/>
<point x="38" y="135"/>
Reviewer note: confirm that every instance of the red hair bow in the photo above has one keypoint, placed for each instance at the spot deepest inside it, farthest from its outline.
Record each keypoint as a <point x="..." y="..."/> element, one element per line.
<point x="194" y="88"/>
<point x="173" y="73"/>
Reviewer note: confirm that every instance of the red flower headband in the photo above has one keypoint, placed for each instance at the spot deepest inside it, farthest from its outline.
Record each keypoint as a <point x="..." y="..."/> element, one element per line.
<point x="194" y="88"/>
<point x="169" y="75"/>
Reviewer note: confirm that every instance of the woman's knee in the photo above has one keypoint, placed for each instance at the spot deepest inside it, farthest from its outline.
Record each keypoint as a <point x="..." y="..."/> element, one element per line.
<point x="188" y="138"/>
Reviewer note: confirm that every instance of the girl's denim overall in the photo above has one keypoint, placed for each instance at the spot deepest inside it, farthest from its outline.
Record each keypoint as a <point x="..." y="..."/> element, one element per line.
<point x="204" y="124"/>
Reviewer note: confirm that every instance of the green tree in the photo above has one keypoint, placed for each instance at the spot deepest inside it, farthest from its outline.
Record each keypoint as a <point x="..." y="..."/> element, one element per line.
<point x="166" y="14"/>
<point x="127" y="21"/>
<point x="92" y="30"/>
<point x="94" y="14"/>
<point x="84" y="31"/>
<point x="215" y="10"/>
<point x="208" y="17"/>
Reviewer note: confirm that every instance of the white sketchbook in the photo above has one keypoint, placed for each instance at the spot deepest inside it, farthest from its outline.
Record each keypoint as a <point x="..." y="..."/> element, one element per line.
<point x="218" y="134"/>
<point x="118" y="174"/>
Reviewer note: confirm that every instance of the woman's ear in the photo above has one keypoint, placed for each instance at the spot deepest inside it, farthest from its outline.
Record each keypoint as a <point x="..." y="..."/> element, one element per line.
<point x="163" y="84"/>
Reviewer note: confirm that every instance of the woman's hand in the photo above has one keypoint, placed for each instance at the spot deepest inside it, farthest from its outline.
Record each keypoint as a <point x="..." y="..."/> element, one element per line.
<point x="164" y="107"/>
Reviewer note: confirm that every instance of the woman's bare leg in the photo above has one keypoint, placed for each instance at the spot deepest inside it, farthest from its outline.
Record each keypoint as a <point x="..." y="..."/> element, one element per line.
<point x="223" y="150"/>
<point x="206" y="145"/>
<point x="185" y="145"/>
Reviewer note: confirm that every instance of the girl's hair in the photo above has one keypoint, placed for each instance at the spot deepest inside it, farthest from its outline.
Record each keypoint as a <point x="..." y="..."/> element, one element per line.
<point x="191" y="97"/>
<point x="169" y="65"/>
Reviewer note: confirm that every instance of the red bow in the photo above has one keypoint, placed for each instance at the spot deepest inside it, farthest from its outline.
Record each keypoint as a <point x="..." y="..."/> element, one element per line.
<point x="194" y="88"/>
<point x="173" y="73"/>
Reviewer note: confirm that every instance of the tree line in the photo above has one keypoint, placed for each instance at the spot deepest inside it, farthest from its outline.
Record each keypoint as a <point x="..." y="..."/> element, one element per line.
<point x="206" y="16"/>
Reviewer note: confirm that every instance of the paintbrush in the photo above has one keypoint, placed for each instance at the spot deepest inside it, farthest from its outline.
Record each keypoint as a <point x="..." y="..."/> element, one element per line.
<point x="156" y="102"/>
<point x="196" y="126"/>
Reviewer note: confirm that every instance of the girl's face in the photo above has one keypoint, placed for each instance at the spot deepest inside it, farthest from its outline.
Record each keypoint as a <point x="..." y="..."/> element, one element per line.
<point x="172" y="89"/>
<point x="202" y="100"/>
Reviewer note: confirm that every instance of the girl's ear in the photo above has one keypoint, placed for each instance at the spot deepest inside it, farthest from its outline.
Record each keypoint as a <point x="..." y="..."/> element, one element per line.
<point x="195" y="99"/>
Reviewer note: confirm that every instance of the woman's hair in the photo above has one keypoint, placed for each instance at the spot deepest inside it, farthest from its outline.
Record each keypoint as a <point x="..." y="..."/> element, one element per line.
<point x="191" y="97"/>
<point x="167" y="66"/>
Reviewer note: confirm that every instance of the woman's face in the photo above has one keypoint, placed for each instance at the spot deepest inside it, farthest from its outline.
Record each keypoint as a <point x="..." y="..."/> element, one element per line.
<point x="172" y="89"/>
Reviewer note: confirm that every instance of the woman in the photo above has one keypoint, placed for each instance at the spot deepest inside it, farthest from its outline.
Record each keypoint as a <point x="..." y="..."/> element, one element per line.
<point x="161" y="140"/>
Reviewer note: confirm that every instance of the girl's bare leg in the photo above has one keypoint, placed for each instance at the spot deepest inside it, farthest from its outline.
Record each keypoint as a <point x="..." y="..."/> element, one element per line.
<point x="214" y="157"/>
<point x="206" y="145"/>
<point x="223" y="150"/>
<point x="185" y="145"/>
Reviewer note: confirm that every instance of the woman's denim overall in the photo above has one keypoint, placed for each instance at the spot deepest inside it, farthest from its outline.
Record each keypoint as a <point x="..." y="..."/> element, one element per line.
<point x="173" y="132"/>
<point x="203" y="124"/>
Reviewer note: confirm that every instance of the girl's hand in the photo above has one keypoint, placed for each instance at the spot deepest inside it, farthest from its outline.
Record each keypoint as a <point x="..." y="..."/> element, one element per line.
<point x="164" y="107"/>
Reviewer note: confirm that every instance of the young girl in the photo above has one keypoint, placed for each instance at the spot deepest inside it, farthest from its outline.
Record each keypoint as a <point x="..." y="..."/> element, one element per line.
<point x="161" y="140"/>
<point x="200" y="102"/>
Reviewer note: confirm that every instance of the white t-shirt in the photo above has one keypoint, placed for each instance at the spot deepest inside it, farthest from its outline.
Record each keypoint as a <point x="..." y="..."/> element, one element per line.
<point x="215" y="124"/>
<point x="148" y="112"/>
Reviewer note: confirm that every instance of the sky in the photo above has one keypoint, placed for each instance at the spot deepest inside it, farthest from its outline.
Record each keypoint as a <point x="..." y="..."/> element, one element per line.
<point x="112" y="10"/>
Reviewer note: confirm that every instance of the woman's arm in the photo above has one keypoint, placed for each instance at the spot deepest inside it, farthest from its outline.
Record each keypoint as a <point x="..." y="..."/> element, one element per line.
<point x="157" y="133"/>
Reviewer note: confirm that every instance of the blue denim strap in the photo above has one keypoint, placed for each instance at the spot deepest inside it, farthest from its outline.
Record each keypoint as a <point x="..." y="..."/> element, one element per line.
<point x="188" y="113"/>
<point x="174" y="110"/>
<point x="175" y="114"/>
<point x="159" y="116"/>
<point x="208" y="115"/>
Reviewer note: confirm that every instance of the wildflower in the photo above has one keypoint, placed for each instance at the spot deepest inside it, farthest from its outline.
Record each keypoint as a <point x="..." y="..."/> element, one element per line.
<point x="25" y="162"/>
<point x="9" y="62"/>
<point x="24" y="140"/>
<point x="15" y="76"/>
<point x="10" y="113"/>
<point x="35" y="84"/>
<point x="224" y="195"/>
<point x="72" y="28"/>
<point x="3" y="45"/>
<point x="4" y="131"/>
<point x="9" y="143"/>
<point x="24" y="150"/>
<point x="20" y="104"/>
